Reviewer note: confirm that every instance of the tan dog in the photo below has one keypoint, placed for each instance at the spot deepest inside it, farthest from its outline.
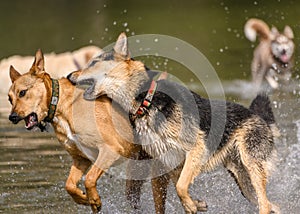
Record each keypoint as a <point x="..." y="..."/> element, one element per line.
<point x="94" y="133"/>
<point x="175" y="125"/>
<point x="272" y="59"/>
<point x="59" y="64"/>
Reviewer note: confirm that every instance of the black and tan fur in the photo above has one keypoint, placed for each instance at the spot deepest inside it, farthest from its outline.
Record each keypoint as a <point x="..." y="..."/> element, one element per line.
<point x="95" y="134"/>
<point x="182" y="127"/>
<point x="272" y="58"/>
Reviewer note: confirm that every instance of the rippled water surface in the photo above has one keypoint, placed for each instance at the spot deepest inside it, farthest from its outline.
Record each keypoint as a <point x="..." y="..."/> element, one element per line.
<point x="33" y="165"/>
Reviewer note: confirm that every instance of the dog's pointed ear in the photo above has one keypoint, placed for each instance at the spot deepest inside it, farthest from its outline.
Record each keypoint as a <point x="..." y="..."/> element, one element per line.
<point x="288" y="32"/>
<point x="274" y="32"/>
<point x="14" y="74"/>
<point x="121" y="46"/>
<point x="38" y="64"/>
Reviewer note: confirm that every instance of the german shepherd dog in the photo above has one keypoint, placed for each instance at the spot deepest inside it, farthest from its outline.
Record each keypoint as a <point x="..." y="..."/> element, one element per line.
<point x="85" y="129"/>
<point x="272" y="59"/>
<point x="176" y="125"/>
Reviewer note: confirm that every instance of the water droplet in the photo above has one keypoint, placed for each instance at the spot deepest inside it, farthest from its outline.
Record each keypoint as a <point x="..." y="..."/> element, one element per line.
<point x="91" y="41"/>
<point x="125" y="11"/>
<point x="137" y="41"/>
<point x="156" y="40"/>
<point x="114" y="23"/>
<point x="221" y="50"/>
<point x="106" y="29"/>
<point x="104" y="5"/>
<point x="72" y="38"/>
<point x="125" y="24"/>
<point x="127" y="30"/>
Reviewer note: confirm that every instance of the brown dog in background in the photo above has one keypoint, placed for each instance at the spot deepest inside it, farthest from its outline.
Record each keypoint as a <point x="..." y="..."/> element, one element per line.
<point x="272" y="59"/>
<point x="95" y="134"/>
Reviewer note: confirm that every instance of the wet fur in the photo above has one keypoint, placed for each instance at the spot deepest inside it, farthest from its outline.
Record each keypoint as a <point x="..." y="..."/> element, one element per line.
<point x="177" y="129"/>
<point x="267" y="60"/>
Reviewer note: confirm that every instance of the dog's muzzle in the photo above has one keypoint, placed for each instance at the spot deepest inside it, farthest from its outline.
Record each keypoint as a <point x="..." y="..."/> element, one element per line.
<point x="15" y="118"/>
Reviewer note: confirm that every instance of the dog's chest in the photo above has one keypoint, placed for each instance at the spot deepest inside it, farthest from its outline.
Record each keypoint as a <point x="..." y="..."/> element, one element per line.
<point x="156" y="141"/>
<point x="75" y="143"/>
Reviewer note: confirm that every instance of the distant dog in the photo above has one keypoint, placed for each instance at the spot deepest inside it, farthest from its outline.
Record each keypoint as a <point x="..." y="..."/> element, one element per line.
<point x="58" y="64"/>
<point x="95" y="134"/>
<point x="174" y="125"/>
<point x="272" y="58"/>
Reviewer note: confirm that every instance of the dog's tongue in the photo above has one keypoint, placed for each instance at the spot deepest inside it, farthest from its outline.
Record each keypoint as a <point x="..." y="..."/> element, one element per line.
<point x="284" y="58"/>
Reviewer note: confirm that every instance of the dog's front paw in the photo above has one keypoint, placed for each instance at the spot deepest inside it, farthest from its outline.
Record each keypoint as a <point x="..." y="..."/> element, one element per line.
<point x="201" y="205"/>
<point x="95" y="203"/>
<point x="96" y="207"/>
<point x="190" y="208"/>
<point x="275" y="209"/>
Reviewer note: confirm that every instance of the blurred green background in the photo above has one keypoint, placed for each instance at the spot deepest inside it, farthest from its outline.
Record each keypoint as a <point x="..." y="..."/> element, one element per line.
<point x="214" y="27"/>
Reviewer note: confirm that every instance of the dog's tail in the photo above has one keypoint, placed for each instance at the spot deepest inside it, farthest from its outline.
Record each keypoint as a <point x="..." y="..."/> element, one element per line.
<point x="256" y="26"/>
<point x="261" y="105"/>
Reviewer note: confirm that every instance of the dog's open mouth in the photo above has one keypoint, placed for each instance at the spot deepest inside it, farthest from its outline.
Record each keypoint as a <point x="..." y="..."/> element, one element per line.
<point x="284" y="58"/>
<point x="86" y="82"/>
<point x="89" y="86"/>
<point x="31" y="121"/>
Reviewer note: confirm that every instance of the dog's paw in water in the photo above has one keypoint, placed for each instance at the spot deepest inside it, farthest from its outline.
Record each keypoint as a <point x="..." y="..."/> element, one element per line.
<point x="201" y="205"/>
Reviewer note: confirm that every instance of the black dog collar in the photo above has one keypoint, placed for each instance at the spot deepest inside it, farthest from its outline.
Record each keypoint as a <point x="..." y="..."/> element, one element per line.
<point x="54" y="101"/>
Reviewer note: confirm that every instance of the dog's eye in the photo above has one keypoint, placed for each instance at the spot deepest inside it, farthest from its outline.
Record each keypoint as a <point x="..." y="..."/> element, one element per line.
<point x="22" y="93"/>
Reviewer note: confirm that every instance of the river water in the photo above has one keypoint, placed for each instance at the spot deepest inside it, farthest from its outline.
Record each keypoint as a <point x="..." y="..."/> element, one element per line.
<point x="33" y="165"/>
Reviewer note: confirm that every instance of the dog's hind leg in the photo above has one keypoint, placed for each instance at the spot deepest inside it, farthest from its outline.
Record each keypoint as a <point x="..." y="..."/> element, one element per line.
<point x="80" y="165"/>
<point x="191" y="168"/>
<point x="242" y="178"/>
<point x="256" y="169"/>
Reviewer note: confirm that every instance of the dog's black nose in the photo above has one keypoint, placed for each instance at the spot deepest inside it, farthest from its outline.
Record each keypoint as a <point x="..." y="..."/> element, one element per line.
<point x="283" y="51"/>
<point x="14" y="118"/>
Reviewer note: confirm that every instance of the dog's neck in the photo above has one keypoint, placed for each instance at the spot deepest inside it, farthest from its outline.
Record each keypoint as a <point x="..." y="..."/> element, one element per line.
<point x="64" y="100"/>
<point x="126" y="94"/>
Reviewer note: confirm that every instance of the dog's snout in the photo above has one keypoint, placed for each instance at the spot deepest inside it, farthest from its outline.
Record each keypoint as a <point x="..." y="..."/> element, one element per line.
<point x="14" y="118"/>
<point x="283" y="51"/>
